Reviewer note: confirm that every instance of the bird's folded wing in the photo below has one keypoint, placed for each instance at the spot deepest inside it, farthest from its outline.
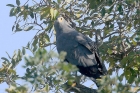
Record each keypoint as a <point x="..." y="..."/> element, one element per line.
<point x="91" y="46"/>
<point x="88" y="43"/>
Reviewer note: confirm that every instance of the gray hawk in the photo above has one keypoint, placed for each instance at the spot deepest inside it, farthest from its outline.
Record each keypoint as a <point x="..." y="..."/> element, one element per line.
<point x="81" y="50"/>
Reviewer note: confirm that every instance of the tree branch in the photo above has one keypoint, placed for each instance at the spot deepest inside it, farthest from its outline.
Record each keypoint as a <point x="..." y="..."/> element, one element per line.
<point x="49" y="44"/>
<point x="109" y="35"/>
<point x="131" y="48"/>
<point x="79" y="88"/>
<point x="122" y="54"/>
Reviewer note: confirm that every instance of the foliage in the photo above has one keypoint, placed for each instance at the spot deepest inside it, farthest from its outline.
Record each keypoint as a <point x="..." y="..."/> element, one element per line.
<point x="115" y="24"/>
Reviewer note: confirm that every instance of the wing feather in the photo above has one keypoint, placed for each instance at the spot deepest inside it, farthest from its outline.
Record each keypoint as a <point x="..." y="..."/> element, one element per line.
<point x="91" y="46"/>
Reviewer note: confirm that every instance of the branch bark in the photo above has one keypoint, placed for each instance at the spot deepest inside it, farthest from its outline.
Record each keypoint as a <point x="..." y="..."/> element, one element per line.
<point x="109" y="35"/>
<point x="79" y="88"/>
<point x="122" y="54"/>
<point x="131" y="48"/>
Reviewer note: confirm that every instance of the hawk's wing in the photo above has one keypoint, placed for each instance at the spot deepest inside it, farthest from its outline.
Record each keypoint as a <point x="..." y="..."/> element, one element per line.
<point x="91" y="46"/>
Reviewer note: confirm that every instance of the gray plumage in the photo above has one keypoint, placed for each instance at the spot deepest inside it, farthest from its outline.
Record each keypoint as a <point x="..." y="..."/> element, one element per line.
<point x="81" y="50"/>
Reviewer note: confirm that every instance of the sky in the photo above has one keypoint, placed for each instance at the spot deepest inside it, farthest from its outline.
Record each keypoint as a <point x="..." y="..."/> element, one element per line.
<point x="10" y="41"/>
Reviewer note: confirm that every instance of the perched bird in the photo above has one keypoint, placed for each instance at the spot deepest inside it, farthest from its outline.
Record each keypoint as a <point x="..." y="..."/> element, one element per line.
<point x="81" y="50"/>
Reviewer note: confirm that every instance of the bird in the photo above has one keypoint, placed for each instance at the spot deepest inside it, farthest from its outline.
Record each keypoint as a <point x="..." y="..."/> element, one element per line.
<point x="80" y="50"/>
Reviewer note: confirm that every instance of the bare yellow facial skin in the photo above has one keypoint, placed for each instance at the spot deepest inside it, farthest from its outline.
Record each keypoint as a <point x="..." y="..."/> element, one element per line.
<point x="60" y="19"/>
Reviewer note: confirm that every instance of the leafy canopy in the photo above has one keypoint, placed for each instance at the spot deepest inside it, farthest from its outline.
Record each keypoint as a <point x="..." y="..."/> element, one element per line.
<point x="113" y="24"/>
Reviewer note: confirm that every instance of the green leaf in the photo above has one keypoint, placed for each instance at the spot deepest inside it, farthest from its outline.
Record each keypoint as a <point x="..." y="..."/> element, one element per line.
<point x="129" y="26"/>
<point x="31" y="14"/>
<point x="47" y="38"/>
<point x="52" y="13"/>
<point x="138" y="11"/>
<point x="12" y="12"/>
<point x="92" y="23"/>
<point x="131" y="79"/>
<point x="49" y="27"/>
<point x="128" y="41"/>
<point x="35" y="48"/>
<point x="106" y="31"/>
<point x="13" y="27"/>
<point x="23" y="50"/>
<point x="17" y="10"/>
<point x="137" y="39"/>
<point x="136" y="22"/>
<point x="44" y="12"/>
<point x="55" y="13"/>
<point x="58" y="1"/>
<point x="134" y="43"/>
<point x="110" y="9"/>
<point x="121" y="77"/>
<point x="127" y="74"/>
<point x="109" y="51"/>
<point x="18" y="28"/>
<point x="120" y="9"/>
<point x="18" y="2"/>
<point x="19" y="55"/>
<point x="25" y="14"/>
<point x="47" y="88"/>
<point x="109" y="2"/>
<point x="112" y="26"/>
<point x="124" y="61"/>
<point x="94" y="4"/>
<point x="28" y="45"/>
<point x="12" y="71"/>
<point x="28" y="28"/>
<point x="26" y="6"/>
<point x="129" y="1"/>
<point x="103" y="12"/>
<point x="3" y="58"/>
<point x="11" y="5"/>
<point x="35" y="42"/>
<point x="136" y="68"/>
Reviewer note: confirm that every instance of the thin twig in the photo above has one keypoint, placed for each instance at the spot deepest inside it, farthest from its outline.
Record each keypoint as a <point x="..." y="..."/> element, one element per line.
<point x="131" y="48"/>
<point x="109" y="35"/>
<point x="49" y="44"/>
<point x="26" y="2"/>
